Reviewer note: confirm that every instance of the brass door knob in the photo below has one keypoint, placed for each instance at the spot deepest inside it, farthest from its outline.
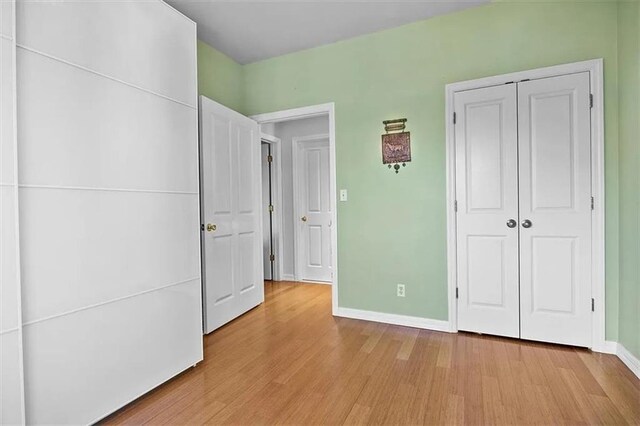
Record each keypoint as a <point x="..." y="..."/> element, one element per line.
<point x="303" y="218"/>
<point x="211" y="227"/>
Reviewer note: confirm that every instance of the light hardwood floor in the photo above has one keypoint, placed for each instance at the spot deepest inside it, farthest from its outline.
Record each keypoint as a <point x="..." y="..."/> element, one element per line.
<point x="289" y="361"/>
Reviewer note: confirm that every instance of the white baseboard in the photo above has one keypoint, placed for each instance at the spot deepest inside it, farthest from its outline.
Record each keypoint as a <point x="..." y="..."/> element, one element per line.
<point x="629" y="359"/>
<point x="608" y="347"/>
<point x="286" y="277"/>
<point x="405" y="320"/>
<point x="315" y="282"/>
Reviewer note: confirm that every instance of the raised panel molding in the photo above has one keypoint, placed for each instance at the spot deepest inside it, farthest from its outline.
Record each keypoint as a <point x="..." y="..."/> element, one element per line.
<point x="545" y="279"/>
<point x="549" y="159"/>
<point x="480" y="271"/>
<point x="490" y="150"/>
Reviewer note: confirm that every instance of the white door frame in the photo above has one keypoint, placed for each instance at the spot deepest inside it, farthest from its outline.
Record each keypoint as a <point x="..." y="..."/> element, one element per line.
<point x="595" y="69"/>
<point x="295" y="150"/>
<point x="327" y="109"/>
<point x="276" y="194"/>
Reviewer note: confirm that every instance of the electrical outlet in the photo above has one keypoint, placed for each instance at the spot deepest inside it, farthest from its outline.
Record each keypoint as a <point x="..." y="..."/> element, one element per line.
<point x="400" y="292"/>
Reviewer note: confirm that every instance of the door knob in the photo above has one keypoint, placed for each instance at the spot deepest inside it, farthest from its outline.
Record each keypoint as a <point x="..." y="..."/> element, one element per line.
<point x="211" y="227"/>
<point x="303" y="218"/>
<point x="526" y="223"/>
<point x="511" y="223"/>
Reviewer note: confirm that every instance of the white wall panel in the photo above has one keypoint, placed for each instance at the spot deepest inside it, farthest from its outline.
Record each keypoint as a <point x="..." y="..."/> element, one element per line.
<point x="10" y="379"/>
<point x="83" y="366"/>
<point x="95" y="246"/>
<point x="154" y="43"/>
<point x="108" y="187"/>
<point x="107" y="134"/>
<point x="6" y="110"/>
<point x="6" y="17"/>
<point x="10" y="315"/>
<point x="11" y="371"/>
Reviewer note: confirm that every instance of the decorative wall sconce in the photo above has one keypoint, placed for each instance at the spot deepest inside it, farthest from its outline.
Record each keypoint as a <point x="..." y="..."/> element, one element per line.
<point x="396" y="144"/>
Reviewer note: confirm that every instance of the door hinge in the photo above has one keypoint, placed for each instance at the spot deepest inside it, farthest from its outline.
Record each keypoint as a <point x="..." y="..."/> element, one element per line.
<point x="593" y="305"/>
<point x="271" y="208"/>
<point x="456" y="292"/>
<point x="593" y="203"/>
<point x="269" y="158"/>
<point x="272" y="257"/>
<point x="455" y="206"/>
<point x="590" y="100"/>
<point x="454" y="118"/>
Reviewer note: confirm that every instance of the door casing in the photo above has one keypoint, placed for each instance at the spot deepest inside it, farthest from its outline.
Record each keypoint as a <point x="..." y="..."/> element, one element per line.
<point x="328" y="110"/>
<point x="595" y="69"/>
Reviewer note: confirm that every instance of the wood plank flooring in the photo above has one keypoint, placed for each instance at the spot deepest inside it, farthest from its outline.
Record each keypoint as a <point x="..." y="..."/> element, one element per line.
<point x="289" y="361"/>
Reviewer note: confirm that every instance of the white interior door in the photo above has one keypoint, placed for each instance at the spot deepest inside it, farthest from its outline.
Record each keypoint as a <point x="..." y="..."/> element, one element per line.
<point x="313" y="210"/>
<point x="487" y="198"/>
<point x="231" y="197"/>
<point x="555" y="200"/>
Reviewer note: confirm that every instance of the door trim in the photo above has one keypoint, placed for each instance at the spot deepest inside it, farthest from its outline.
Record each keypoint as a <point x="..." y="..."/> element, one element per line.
<point x="595" y="69"/>
<point x="276" y="145"/>
<point x="295" y="151"/>
<point x="327" y="109"/>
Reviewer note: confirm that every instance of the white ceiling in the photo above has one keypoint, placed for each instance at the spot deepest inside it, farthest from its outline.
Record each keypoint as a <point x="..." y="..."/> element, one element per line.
<point x="252" y="30"/>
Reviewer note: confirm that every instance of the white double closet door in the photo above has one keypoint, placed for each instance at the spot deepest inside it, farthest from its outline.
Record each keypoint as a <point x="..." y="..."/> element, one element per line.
<point x="524" y="209"/>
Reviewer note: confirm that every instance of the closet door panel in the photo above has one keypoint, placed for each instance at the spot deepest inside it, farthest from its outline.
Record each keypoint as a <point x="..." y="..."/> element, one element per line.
<point x="143" y="43"/>
<point x="106" y="134"/>
<point x="11" y="386"/>
<point x="555" y="196"/>
<point x="85" y="365"/>
<point x="487" y="194"/>
<point x="7" y="157"/>
<point x="87" y="249"/>
<point x="10" y="378"/>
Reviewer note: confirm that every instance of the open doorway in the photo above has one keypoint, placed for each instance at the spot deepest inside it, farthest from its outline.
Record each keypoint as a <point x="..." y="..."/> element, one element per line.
<point x="299" y="195"/>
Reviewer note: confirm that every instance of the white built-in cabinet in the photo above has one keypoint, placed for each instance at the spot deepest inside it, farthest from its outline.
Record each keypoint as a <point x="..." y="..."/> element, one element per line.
<point x="103" y="250"/>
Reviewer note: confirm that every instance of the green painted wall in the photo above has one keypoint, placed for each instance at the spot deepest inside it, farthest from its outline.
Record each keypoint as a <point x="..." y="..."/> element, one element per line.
<point x="392" y="229"/>
<point x="219" y="77"/>
<point x="629" y="172"/>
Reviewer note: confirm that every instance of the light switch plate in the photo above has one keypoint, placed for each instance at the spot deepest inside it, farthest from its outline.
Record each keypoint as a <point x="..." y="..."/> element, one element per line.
<point x="343" y="195"/>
